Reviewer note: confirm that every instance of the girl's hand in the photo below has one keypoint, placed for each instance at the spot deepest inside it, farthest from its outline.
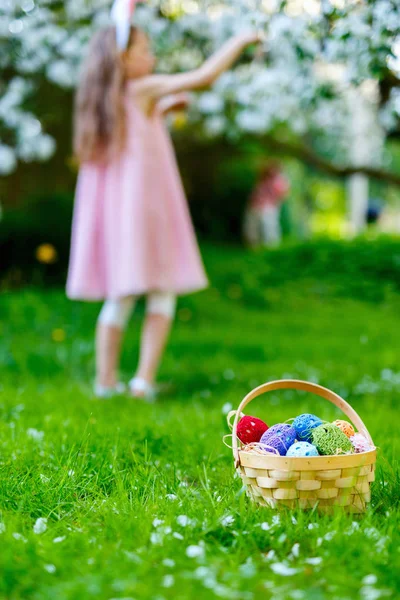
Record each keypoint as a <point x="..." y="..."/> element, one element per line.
<point x="253" y="37"/>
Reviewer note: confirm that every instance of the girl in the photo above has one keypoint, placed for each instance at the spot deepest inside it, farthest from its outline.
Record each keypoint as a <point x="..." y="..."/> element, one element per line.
<point x="262" y="218"/>
<point x="132" y="233"/>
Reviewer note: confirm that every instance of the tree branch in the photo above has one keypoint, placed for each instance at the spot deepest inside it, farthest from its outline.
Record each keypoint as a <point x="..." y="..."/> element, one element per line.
<point x="307" y="155"/>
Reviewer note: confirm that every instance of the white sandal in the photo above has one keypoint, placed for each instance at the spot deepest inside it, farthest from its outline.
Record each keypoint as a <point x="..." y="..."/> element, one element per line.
<point x="104" y="392"/>
<point x="142" y="390"/>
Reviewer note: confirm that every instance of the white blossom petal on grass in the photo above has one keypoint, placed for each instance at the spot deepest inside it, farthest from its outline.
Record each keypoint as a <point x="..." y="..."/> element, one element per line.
<point x="248" y="569"/>
<point x="271" y="555"/>
<point x="168" y="581"/>
<point x="59" y="539"/>
<point x="40" y="526"/>
<point x="282" y="538"/>
<point x="177" y="536"/>
<point x="34" y="434"/>
<point x="50" y="568"/>
<point x="227" y="520"/>
<point x="133" y="557"/>
<point x="156" y="538"/>
<point x="183" y="520"/>
<point x="19" y="537"/>
<point x="43" y="478"/>
<point x="296" y="550"/>
<point x="2" y="527"/>
<point x="226" y="408"/>
<point x="372" y="532"/>
<point x="265" y="526"/>
<point x="353" y="528"/>
<point x="381" y="544"/>
<point x="370" y="593"/>
<point x="157" y="522"/>
<point x="171" y="497"/>
<point x="317" y="560"/>
<point x="370" y="580"/>
<point x="168" y="562"/>
<point x="195" y="551"/>
<point x="283" y="569"/>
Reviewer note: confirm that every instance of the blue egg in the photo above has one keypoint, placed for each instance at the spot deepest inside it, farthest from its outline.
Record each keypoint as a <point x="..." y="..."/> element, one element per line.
<point x="304" y="425"/>
<point x="302" y="449"/>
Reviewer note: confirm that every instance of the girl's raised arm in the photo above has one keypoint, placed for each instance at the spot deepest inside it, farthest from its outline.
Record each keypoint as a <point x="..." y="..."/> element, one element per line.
<point x="157" y="86"/>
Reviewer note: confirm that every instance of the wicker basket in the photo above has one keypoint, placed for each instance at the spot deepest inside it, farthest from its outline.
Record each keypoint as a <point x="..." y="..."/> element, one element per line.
<point x="322" y="482"/>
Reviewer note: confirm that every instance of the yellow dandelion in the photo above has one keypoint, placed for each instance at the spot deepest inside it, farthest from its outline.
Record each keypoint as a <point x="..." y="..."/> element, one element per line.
<point x="58" y="335"/>
<point x="180" y="120"/>
<point x="46" y="254"/>
<point x="235" y="292"/>
<point x="185" y="314"/>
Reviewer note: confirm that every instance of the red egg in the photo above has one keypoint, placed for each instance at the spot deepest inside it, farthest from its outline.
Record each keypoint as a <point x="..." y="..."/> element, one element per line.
<point x="250" y="429"/>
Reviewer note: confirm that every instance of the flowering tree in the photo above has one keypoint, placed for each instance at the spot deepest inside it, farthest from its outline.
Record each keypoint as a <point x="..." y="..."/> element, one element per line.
<point x="322" y="61"/>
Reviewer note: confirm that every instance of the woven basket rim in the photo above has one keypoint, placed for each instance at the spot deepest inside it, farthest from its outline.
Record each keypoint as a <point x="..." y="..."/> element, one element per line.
<point x="300" y="458"/>
<point x="306" y="463"/>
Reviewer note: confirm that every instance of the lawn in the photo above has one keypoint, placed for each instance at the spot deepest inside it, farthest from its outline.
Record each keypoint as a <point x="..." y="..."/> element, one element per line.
<point x="123" y="500"/>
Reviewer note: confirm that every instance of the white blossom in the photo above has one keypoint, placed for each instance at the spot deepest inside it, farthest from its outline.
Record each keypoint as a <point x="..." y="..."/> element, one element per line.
<point x="283" y="89"/>
<point x="50" y="568"/>
<point x="59" y="539"/>
<point x="35" y="434"/>
<point x="40" y="526"/>
<point x="283" y="569"/>
<point x="194" y="551"/>
<point x="8" y="160"/>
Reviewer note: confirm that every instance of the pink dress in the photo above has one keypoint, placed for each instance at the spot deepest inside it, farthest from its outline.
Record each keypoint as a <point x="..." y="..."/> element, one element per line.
<point x="269" y="192"/>
<point x="132" y="232"/>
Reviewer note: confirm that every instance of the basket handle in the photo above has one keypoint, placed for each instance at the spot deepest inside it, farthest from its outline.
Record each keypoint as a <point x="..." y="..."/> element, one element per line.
<point x="305" y="386"/>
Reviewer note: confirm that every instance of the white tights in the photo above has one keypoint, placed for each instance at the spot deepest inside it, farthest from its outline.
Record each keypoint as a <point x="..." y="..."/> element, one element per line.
<point x="262" y="226"/>
<point x="117" y="312"/>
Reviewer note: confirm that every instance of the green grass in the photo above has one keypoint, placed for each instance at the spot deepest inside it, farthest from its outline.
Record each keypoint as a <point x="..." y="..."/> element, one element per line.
<point x="141" y="501"/>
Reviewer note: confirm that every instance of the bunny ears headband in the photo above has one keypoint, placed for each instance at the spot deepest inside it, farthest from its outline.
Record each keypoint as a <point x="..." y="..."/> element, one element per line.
<point x="121" y="15"/>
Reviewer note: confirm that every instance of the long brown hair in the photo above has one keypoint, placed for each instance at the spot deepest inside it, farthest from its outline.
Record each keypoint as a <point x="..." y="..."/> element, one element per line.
<point x="99" y="118"/>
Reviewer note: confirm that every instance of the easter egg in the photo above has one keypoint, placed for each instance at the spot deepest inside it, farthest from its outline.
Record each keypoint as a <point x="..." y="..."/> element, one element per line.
<point x="304" y="424"/>
<point x="345" y="426"/>
<point x="360" y="443"/>
<point x="302" y="449"/>
<point x="279" y="437"/>
<point x="250" y="429"/>
<point x="330" y="440"/>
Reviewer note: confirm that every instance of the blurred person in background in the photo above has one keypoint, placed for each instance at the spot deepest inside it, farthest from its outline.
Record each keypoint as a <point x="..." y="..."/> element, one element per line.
<point x="262" y="217"/>
<point x="374" y="211"/>
<point x="132" y="232"/>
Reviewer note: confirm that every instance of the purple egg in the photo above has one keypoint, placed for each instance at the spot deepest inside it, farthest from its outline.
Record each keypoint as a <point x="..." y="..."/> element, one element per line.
<point x="280" y="437"/>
